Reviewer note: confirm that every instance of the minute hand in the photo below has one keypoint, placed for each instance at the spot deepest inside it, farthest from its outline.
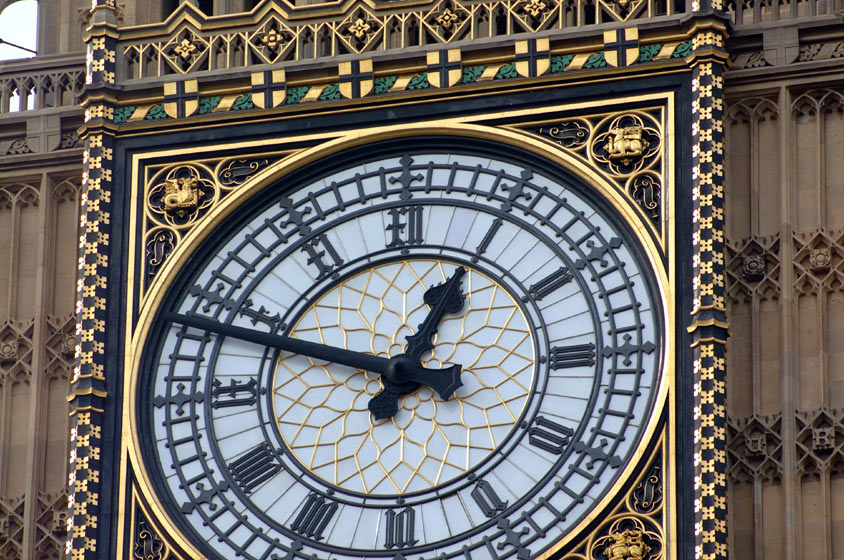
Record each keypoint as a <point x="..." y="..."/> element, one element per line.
<point x="445" y="298"/>
<point x="376" y="364"/>
<point x="359" y="360"/>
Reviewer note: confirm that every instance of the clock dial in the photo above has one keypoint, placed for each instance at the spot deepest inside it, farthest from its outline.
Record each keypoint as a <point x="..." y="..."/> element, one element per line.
<point x="321" y="409"/>
<point x="307" y="416"/>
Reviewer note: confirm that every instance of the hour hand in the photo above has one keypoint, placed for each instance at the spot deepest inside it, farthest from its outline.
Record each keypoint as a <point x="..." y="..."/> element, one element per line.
<point x="445" y="298"/>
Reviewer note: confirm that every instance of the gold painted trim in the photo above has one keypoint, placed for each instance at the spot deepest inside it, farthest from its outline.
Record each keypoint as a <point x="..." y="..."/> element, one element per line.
<point x="75" y="411"/>
<point x="708" y="340"/>
<point x="336" y="142"/>
<point x="88" y="391"/>
<point x="707" y="323"/>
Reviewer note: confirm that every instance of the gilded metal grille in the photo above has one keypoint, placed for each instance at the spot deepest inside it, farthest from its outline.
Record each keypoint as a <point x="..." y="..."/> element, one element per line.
<point x="321" y="408"/>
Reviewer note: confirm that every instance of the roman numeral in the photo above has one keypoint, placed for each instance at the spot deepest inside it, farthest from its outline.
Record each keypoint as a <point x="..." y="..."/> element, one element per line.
<point x="315" y="256"/>
<point x="314" y="517"/>
<point x="256" y="467"/>
<point x="555" y="280"/>
<point x="400" y="528"/>
<point x="550" y="436"/>
<point x="405" y="233"/>
<point x="235" y="393"/>
<point x="484" y="495"/>
<point x="484" y="244"/>
<point x="572" y="356"/>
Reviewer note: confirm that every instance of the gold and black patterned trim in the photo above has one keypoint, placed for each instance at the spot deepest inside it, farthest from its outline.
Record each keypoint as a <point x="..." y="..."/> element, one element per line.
<point x="88" y="385"/>
<point x="709" y="327"/>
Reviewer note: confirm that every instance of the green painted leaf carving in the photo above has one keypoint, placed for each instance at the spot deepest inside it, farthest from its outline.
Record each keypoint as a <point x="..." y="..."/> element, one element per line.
<point x="419" y="82"/>
<point x="156" y="112"/>
<point x="597" y="60"/>
<point x="682" y="50"/>
<point x="472" y="73"/>
<point x="560" y="63"/>
<point x="122" y="114"/>
<point x="648" y="52"/>
<point x="242" y="102"/>
<point x="208" y="104"/>
<point x="331" y="92"/>
<point x="383" y="85"/>
<point x="506" y="71"/>
<point x="295" y="95"/>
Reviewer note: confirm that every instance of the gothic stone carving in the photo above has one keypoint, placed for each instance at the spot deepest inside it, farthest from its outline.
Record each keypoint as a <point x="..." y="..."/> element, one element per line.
<point x="753" y="268"/>
<point x="754" y="449"/>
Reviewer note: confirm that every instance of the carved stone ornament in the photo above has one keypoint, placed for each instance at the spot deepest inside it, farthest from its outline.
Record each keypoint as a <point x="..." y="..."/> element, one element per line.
<point x="754" y="449"/>
<point x="8" y="350"/>
<point x="18" y="147"/>
<point x="820" y="442"/>
<point x="823" y="439"/>
<point x="185" y="49"/>
<point x="626" y="143"/>
<point x="148" y="545"/>
<point x="359" y="29"/>
<point x="753" y="267"/>
<point x="178" y="198"/>
<point x="758" y="249"/>
<point x="447" y="19"/>
<point x="271" y="41"/>
<point x="181" y="194"/>
<point x="68" y="345"/>
<point x="235" y="172"/>
<point x="572" y="134"/>
<point x="627" y="545"/>
<point x="819" y="259"/>
<point x="534" y="8"/>
<point x="756" y="445"/>
<point x="629" y="538"/>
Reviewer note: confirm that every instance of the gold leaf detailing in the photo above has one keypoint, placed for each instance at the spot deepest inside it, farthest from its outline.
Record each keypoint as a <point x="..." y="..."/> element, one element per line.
<point x="185" y="49"/>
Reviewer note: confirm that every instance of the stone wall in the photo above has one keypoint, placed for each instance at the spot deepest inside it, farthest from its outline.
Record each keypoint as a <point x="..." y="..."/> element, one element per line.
<point x="785" y="238"/>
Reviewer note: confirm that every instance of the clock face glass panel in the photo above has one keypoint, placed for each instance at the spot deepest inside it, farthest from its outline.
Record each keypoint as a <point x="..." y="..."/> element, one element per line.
<point x="524" y="279"/>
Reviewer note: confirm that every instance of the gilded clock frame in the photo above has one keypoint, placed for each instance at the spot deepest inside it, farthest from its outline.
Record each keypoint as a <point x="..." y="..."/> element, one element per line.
<point x="135" y="485"/>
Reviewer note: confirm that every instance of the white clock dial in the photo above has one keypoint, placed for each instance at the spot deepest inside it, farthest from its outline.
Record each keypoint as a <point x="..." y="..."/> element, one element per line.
<point x="284" y="425"/>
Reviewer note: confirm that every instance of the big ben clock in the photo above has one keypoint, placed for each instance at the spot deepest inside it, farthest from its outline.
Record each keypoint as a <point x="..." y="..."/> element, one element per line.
<point x="432" y="347"/>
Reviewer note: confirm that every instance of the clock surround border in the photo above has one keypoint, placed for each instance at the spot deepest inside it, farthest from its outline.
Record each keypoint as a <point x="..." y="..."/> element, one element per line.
<point x="457" y="127"/>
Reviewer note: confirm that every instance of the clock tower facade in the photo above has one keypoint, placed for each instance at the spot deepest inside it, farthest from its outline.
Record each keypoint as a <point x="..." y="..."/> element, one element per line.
<point x="386" y="281"/>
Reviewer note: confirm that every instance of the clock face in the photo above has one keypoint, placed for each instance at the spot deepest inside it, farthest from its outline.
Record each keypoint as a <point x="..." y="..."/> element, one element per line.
<point x="438" y="348"/>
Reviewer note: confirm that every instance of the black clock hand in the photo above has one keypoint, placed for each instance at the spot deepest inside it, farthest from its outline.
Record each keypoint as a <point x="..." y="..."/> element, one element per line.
<point x="397" y="368"/>
<point x="445" y="298"/>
